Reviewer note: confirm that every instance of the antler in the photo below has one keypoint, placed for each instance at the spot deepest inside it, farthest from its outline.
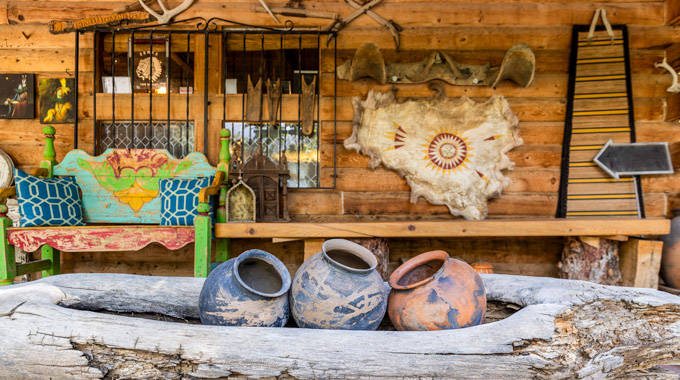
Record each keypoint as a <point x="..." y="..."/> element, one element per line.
<point x="675" y="87"/>
<point x="167" y="14"/>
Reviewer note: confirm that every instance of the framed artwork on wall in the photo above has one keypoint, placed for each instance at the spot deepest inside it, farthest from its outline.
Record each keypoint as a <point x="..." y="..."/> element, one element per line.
<point x="57" y="97"/>
<point x="17" y="96"/>
<point x="147" y="64"/>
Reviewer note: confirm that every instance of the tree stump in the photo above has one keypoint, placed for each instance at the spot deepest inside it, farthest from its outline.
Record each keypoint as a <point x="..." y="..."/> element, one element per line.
<point x="381" y="249"/>
<point x="565" y="329"/>
<point x="591" y="259"/>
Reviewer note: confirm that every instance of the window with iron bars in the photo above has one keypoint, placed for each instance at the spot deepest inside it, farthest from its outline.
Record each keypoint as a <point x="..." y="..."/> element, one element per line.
<point x="149" y="83"/>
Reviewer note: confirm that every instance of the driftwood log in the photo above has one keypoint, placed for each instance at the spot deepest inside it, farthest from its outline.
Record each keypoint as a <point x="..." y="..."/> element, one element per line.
<point x="565" y="329"/>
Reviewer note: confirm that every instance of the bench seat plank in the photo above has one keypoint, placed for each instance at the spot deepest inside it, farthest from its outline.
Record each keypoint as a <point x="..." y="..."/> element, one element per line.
<point x="100" y="238"/>
<point x="453" y="228"/>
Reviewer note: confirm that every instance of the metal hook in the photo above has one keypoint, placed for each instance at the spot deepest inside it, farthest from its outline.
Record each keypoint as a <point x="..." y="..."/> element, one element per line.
<point x="69" y="73"/>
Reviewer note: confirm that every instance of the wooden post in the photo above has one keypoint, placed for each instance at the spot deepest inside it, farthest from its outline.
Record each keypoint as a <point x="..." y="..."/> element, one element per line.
<point x="222" y="246"/>
<point x="640" y="261"/>
<point x="49" y="253"/>
<point x="203" y="237"/>
<point x="7" y="264"/>
<point x="312" y="247"/>
<point x="591" y="259"/>
<point x="49" y="154"/>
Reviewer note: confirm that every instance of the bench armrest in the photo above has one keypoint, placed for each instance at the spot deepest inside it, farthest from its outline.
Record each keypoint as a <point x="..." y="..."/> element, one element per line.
<point x="213" y="189"/>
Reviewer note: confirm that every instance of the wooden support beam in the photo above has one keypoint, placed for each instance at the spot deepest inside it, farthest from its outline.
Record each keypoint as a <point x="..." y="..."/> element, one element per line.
<point x="453" y="228"/>
<point x="640" y="261"/>
<point x="312" y="247"/>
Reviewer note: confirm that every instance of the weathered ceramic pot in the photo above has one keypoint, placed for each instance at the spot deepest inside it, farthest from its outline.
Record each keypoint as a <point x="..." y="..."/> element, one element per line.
<point x="670" y="260"/>
<point x="435" y="292"/>
<point x="249" y="290"/>
<point x="339" y="288"/>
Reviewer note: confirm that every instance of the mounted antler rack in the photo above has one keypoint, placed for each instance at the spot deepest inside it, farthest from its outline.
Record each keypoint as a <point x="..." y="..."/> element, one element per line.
<point x="675" y="86"/>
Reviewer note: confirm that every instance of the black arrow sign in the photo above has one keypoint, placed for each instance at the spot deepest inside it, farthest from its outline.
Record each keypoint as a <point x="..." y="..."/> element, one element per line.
<point x="634" y="159"/>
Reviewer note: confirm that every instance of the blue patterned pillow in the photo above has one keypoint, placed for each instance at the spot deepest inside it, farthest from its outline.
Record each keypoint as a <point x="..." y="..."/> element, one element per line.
<point x="179" y="199"/>
<point x="48" y="201"/>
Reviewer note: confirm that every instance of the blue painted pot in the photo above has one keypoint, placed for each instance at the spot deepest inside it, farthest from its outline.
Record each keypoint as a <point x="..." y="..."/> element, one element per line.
<point x="339" y="288"/>
<point x="249" y="290"/>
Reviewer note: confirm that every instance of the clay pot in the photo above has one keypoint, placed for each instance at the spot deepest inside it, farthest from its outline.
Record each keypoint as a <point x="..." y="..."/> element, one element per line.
<point x="435" y="292"/>
<point x="670" y="260"/>
<point x="481" y="267"/>
<point x="249" y="290"/>
<point x="339" y="288"/>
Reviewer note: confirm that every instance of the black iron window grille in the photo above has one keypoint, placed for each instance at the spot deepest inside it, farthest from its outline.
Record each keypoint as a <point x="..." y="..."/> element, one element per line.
<point x="177" y="137"/>
<point x="163" y="88"/>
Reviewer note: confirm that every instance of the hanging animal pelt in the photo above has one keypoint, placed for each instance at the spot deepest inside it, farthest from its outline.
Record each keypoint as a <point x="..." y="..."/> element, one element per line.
<point x="450" y="151"/>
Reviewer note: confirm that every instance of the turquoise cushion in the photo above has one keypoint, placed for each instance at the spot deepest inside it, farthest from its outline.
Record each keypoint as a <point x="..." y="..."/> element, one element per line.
<point x="48" y="201"/>
<point x="179" y="199"/>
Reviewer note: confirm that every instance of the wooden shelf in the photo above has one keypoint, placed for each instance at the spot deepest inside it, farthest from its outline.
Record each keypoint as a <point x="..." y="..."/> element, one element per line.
<point x="454" y="228"/>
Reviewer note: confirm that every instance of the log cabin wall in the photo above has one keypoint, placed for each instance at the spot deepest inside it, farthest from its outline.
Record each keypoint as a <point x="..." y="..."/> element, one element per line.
<point x="472" y="32"/>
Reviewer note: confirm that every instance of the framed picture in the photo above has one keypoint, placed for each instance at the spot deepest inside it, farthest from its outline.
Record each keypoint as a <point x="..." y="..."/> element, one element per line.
<point x="147" y="64"/>
<point x="119" y="85"/>
<point x="17" y="96"/>
<point x="57" y="99"/>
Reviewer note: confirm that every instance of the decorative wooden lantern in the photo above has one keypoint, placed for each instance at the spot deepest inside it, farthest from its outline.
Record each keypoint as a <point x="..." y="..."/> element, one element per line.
<point x="269" y="182"/>
<point x="240" y="203"/>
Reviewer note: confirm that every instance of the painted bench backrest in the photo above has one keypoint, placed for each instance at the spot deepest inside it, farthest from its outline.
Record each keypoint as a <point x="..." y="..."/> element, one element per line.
<point x="121" y="185"/>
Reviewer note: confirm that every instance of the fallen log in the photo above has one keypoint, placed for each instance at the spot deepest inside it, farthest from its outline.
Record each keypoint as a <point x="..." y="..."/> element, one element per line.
<point x="565" y="329"/>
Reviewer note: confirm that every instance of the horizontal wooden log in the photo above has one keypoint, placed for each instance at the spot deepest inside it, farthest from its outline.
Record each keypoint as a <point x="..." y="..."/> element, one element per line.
<point x="518" y="204"/>
<point x="46" y="60"/>
<point x="531" y="132"/>
<point x="524" y="156"/>
<point x="546" y="85"/>
<point x="406" y="14"/>
<point x="50" y="333"/>
<point x="547" y="60"/>
<point x="495" y="38"/>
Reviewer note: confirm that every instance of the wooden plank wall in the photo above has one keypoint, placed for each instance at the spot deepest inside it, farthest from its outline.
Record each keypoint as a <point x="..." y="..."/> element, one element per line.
<point x="472" y="32"/>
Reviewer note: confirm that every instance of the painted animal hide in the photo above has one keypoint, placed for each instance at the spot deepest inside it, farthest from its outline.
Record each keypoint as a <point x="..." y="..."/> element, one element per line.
<point x="450" y="152"/>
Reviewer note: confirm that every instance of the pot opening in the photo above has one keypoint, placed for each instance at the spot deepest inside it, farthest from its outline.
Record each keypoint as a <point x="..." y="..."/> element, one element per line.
<point x="420" y="273"/>
<point x="348" y="259"/>
<point x="260" y="275"/>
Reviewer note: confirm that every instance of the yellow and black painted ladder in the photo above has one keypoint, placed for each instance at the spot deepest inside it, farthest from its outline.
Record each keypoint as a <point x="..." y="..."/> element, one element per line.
<point x="599" y="108"/>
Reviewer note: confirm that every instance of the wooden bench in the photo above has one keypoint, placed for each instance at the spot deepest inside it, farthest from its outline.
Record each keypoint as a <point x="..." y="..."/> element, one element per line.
<point x="639" y="258"/>
<point x="121" y="204"/>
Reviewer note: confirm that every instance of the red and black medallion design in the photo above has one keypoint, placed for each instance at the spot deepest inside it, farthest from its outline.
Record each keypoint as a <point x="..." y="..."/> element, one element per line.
<point x="447" y="151"/>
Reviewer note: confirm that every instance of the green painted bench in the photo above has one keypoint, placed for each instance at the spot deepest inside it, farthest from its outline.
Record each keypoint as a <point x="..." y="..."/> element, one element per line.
<point x="121" y="206"/>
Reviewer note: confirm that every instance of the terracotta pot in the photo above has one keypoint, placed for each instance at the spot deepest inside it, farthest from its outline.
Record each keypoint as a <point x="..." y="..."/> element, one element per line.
<point x="670" y="260"/>
<point x="249" y="290"/>
<point x="339" y="288"/>
<point x="435" y="292"/>
<point x="481" y="267"/>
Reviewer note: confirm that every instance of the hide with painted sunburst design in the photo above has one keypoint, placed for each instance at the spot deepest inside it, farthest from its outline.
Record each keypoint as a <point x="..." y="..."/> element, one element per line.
<point x="450" y="151"/>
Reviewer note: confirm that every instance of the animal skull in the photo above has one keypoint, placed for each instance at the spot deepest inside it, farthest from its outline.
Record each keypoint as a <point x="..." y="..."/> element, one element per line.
<point x="167" y="14"/>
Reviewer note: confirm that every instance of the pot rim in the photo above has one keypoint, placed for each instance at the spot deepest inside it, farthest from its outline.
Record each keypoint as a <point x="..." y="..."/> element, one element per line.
<point x="415" y="262"/>
<point x="270" y="259"/>
<point x="357" y="250"/>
